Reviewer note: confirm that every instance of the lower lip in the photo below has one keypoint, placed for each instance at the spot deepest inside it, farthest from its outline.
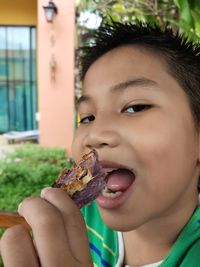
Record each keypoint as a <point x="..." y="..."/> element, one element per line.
<point x="113" y="203"/>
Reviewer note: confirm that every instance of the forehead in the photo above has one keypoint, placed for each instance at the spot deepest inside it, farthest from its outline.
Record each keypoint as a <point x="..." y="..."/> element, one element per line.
<point x="130" y="63"/>
<point x="123" y="63"/>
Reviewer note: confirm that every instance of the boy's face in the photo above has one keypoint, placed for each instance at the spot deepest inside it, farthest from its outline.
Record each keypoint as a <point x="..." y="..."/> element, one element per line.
<point x="157" y="139"/>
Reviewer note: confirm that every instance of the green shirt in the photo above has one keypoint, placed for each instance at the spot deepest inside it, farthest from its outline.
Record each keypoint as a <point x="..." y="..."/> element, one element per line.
<point x="104" y="245"/>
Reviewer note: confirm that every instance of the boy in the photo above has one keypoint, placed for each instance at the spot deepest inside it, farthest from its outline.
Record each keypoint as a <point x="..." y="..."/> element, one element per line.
<point x="140" y="111"/>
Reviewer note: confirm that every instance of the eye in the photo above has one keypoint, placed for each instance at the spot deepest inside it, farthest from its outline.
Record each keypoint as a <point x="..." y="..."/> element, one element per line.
<point x="136" y="108"/>
<point x="87" y="120"/>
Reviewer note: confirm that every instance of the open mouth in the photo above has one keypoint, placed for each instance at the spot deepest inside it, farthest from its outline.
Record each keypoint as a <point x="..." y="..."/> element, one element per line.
<point x="118" y="180"/>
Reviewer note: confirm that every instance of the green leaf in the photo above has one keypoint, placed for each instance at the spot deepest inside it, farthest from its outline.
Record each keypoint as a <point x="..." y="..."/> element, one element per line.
<point x="185" y="12"/>
<point x="196" y="15"/>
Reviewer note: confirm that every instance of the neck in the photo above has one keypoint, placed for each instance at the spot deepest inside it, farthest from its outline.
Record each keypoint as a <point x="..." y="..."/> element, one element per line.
<point x="152" y="241"/>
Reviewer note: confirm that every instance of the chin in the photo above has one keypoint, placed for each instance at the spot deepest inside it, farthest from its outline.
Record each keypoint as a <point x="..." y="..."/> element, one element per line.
<point x="120" y="223"/>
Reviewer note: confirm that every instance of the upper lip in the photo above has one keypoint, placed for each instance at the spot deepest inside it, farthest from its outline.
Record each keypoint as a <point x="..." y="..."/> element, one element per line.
<point x="114" y="165"/>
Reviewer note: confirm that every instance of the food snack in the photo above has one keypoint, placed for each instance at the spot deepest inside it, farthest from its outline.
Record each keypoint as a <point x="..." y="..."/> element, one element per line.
<point x="84" y="181"/>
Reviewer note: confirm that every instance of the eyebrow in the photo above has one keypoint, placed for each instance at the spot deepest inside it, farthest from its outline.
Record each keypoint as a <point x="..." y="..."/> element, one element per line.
<point x="122" y="86"/>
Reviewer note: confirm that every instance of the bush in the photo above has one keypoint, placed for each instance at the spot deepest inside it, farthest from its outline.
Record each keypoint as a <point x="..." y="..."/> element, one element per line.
<point x="26" y="171"/>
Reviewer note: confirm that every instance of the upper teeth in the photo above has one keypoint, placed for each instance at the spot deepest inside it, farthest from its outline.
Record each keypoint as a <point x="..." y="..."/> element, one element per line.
<point x="107" y="170"/>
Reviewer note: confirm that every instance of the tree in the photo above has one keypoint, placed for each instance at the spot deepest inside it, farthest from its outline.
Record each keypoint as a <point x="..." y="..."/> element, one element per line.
<point x="179" y="14"/>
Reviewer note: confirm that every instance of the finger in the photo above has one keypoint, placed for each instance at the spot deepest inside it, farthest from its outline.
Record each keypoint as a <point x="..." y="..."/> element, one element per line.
<point x="74" y="223"/>
<point x="49" y="232"/>
<point x="17" y="249"/>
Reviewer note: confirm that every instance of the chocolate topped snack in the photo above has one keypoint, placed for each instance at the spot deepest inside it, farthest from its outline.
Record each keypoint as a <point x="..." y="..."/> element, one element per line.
<point x="84" y="181"/>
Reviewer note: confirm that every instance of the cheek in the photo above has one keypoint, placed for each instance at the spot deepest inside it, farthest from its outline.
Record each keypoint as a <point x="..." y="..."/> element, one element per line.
<point x="78" y="147"/>
<point x="77" y="150"/>
<point x="168" y="154"/>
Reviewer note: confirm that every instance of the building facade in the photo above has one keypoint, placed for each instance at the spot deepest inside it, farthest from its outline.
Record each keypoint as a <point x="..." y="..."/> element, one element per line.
<point x="37" y="70"/>
<point x="18" y="92"/>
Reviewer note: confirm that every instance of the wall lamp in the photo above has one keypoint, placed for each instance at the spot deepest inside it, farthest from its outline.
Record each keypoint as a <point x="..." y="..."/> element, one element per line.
<point x="50" y="11"/>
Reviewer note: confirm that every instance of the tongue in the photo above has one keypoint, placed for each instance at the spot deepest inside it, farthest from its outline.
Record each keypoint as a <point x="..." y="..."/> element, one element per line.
<point x="119" y="180"/>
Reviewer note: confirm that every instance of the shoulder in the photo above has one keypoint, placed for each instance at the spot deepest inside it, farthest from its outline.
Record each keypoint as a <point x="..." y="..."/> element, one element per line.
<point x="192" y="233"/>
<point x="192" y="255"/>
<point x="186" y="250"/>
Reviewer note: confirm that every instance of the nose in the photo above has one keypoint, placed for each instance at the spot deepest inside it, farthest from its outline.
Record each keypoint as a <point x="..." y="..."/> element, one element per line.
<point x="102" y="134"/>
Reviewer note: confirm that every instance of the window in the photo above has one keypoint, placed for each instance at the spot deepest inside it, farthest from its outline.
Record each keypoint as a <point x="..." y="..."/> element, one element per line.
<point x="18" y="99"/>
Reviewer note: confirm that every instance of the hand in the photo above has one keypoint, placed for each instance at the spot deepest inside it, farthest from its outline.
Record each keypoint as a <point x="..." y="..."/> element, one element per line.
<point x="58" y="239"/>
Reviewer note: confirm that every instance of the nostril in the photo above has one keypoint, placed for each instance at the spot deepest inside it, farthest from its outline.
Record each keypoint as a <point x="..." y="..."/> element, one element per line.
<point x="104" y="144"/>
<point x="96" y="145"/>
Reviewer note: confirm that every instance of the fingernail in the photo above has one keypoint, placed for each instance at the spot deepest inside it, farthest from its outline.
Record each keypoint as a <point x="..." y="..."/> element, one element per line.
<point x="19" y="207"/>
<point x="44" y="191"/>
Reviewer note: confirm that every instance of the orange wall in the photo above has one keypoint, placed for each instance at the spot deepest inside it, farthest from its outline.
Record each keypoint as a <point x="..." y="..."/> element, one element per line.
<point x="56" y="97"/>
<point x="18" y="12"/>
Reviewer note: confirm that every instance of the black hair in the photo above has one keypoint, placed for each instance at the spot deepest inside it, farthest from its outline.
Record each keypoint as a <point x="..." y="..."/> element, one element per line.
<point x="181" y="54"/>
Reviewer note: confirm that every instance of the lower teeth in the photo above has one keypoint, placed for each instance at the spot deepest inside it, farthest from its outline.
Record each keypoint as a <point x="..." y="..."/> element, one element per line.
<point x="107" y="193"/>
